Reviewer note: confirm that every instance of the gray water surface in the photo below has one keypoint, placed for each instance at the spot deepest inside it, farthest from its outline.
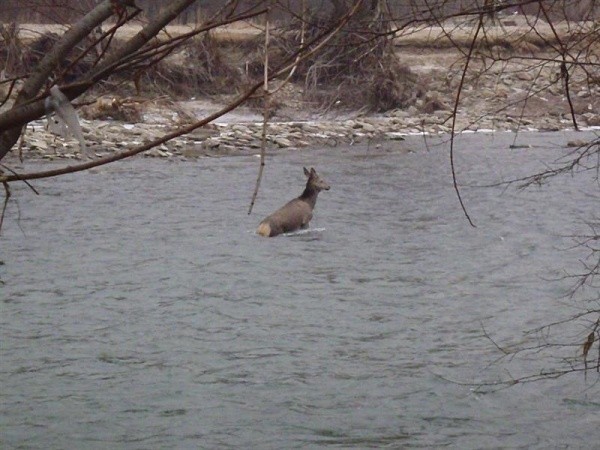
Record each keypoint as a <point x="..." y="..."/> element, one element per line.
<point x="140" y="311"/>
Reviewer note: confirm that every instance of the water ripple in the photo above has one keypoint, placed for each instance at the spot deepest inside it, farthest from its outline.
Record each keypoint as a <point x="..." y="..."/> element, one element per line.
<point x="139" y="309"/>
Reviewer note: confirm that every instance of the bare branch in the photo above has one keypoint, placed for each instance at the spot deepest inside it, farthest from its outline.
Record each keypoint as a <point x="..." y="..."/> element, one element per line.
<point x="454" y="115"/>
<point x="25" y="110"/>
<point x="10" y="132"/>
<point x="266" y="111"/>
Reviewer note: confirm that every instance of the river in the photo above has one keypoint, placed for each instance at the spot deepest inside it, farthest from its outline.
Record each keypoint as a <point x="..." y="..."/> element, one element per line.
<point x="140" y="311"/>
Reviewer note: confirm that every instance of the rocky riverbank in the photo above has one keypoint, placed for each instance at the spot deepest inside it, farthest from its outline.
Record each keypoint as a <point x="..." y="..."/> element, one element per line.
<point x="507" y="98"/>
<point x="104" y="137"/>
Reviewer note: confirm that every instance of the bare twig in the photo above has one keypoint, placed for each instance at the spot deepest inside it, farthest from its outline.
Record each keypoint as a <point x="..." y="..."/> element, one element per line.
<point x="135" y="150"/>
<point x="266" y="102"/>
<point x="487" y="336"/>
<point x="6" y="198"/>
<point x="36" y="192"/>
<point x="564" y="71"/>
<point x="455" y="114"/>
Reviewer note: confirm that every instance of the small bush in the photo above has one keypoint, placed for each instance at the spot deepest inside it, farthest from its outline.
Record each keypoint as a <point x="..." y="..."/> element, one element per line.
<point x="200" y="69"/>
<point x="358" y="69"/>
<point x="115" y="108"/>
<point x="393" y="86"/>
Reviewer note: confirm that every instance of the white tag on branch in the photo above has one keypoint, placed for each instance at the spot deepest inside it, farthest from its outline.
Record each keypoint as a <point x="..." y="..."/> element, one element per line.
<point x="66" y="119"/>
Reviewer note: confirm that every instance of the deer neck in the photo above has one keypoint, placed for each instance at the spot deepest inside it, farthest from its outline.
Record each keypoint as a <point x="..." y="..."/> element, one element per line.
<point x="310" y="196"/>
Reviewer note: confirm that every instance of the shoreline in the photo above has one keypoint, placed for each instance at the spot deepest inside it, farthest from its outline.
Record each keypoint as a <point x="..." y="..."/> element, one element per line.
<point x="516" y="96"/>
<point x="106" y="137"/>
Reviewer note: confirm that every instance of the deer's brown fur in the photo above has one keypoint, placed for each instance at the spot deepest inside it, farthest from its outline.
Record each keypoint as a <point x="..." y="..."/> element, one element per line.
<point x="295" y="214"/>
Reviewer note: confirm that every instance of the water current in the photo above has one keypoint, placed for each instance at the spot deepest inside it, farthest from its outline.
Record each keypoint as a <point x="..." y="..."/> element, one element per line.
<point x="138" y="309"/>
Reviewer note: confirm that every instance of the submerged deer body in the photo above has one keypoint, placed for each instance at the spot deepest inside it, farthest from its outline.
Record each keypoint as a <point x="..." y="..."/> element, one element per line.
<point x="297" y="213"/>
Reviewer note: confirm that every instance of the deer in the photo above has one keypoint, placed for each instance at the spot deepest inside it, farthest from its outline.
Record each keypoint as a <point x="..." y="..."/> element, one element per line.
<point x="297" y="213"/>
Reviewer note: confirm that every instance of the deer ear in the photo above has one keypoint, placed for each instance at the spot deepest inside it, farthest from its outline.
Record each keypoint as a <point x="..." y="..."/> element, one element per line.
<point x="306" y="172"/>
<point x="313" y="171"/>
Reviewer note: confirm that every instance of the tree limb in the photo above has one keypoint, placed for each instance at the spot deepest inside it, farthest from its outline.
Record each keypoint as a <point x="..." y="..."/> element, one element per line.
<point x="46" y="66"/>
<point x="23" y="114"/>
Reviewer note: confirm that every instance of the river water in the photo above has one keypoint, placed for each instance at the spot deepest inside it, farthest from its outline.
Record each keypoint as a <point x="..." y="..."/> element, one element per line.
<point x="140" y="311"/>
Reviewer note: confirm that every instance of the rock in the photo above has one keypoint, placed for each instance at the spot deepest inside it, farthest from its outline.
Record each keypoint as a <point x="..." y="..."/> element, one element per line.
<point x="211" y="143"/>
<point x="400" y="113"/>
<point x="577" y="143"/>
<point x="434" y="105"/>
<point x="549" y="127"/>
<point x="255" y="144"/>
<point x="241" y="136"/>
<point x="241" y="129"/>
<point x="593" y="120"/>
<point x="395" y="136"/>
<point x="556" y="90"/>
<point x="524" y="76"/>
<point x="501" y="91"/>
<point x="281" y="141"/>
<point x="228" y="149"/>
<point x="157" y="153"/>
<point x="367" y="127"/>
<point x="38" y="144"/>
<point x="201" y="133"/>
<point x="441" y="128"/>
<point x="412" y="111"/>
<point x="193" y="152"/>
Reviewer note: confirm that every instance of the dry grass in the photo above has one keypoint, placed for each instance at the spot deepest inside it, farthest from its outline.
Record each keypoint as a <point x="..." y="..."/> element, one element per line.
<point x="202" y="67"/>
<point x="228" y="58"/>
<point x="115" y="108"/>
<point x="511" y="33"/>
<point x="425" y="36"/>
<point x="233" y="33"/>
